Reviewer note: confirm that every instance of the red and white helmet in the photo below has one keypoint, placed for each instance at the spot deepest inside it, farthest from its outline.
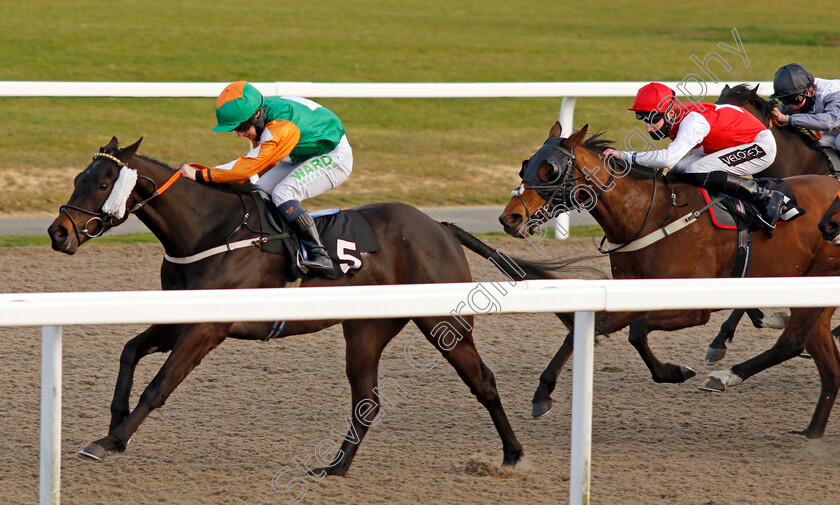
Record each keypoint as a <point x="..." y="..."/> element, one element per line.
<point x="654" y="97"/>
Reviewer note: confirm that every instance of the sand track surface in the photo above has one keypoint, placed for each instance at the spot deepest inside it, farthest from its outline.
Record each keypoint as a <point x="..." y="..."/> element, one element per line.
<point x="250" y="410"/>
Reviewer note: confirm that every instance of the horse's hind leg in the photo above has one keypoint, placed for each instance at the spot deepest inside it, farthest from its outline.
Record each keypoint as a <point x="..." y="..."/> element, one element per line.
<point x="789" y="344"/>
<point x="639" y="329"/>
<point x="822" y="348"/>
<point x="542" y="402"/>
<point x="193" y="343"/>
<point x="156" y="338"/>
<point x="365" y="341"/>
<point x="456" y="344"/>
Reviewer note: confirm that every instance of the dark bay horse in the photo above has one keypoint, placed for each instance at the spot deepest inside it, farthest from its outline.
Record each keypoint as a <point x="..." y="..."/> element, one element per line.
<point x="189" y="217"/>
<point x="798" y="153"/>
<point x="571" y="173"/>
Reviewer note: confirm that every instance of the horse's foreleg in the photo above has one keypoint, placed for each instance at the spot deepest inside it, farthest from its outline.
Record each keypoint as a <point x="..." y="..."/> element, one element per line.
<point x="717" y="349"/>
<point x="542" y="402"/>
<point x="459" y="350"/>
<point x="605" y="323"/>
<point x="156" y="338"/>
<point x="365" y="341"/>
<point x="194" y="342"/>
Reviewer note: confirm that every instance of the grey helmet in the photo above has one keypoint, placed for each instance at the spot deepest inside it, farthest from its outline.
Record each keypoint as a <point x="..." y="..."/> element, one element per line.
<point x="791" y="82"/>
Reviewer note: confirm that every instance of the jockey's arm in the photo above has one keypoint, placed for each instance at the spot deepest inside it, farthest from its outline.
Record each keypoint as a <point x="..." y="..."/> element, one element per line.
<point x="278" y="140"/>
<point x="693" y="129"/>
<point x="827" y="120"/>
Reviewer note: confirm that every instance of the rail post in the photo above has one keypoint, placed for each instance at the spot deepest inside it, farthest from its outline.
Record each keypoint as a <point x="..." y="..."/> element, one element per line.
<point x="584" y="345"/>
<point x="50" y="480"/>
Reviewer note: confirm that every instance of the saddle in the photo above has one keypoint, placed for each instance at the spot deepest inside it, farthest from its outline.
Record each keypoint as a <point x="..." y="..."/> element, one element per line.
<point x="733" y="214"/>
<point x="833" y="159"/>
<point x="345" y="234"/>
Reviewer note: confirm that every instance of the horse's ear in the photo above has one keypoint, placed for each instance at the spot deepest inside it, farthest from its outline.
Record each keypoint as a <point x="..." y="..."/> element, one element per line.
<point x="112" y="145"/>
<point x="577" y="137"/>
<point x="755" y="90"/>
<point x="556" y="130"/>
<point x="127" y="153"/>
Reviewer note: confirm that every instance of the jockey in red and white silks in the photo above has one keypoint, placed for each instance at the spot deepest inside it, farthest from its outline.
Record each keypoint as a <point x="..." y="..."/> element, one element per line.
<point x="723" y="144"/>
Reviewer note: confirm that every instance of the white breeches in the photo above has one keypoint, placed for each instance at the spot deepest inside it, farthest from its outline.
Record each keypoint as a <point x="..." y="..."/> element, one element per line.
<point x="744" y="159"/>
<point x="317" y="175"/>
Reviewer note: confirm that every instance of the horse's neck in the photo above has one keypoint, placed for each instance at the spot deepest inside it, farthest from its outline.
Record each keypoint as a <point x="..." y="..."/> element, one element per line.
<point x="623" y="202"/>
<point x="188" y="216"/>
<point x="794" y="156"/>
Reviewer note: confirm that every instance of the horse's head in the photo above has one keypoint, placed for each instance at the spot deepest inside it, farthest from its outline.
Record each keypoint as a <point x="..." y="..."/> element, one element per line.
<point x="100" y="197"/>
<point x="548" y="184"/>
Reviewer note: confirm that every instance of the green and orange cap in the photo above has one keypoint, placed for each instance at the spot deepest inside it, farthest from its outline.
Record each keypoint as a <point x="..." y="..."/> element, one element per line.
<point x="236" y="104"/>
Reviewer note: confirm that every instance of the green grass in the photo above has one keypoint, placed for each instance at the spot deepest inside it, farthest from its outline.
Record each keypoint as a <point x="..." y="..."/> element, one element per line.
<point x="421" y="151"/>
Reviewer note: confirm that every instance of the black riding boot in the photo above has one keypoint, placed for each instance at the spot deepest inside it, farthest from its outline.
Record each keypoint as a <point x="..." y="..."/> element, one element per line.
<point x="768" y="201"/>
<point x="303" y="225"/>
<point x="319" y="261"/>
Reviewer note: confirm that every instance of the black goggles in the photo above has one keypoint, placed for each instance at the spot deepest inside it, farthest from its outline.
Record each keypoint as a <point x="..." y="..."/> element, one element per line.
<point x="651" y="117"/>
<point x="793" y="99"/>
<point x="243" y="126"/>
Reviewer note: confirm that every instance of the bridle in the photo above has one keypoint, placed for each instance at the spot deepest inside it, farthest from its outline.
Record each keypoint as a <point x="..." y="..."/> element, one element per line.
<point x="564" y="176"/>
<point x="105" y="219"/>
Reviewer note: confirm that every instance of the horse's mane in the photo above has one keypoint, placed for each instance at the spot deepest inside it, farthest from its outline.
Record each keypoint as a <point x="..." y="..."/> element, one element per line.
<point x="743" y="94"/>
<point x="598" y="143"/>
<point x="228" y="187"/>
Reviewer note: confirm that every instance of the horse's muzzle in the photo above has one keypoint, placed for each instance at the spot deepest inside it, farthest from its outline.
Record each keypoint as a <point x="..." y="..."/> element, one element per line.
<point x="513" y="225"/>
<point x="830" y="231"/>
<point x="62" y="240"/>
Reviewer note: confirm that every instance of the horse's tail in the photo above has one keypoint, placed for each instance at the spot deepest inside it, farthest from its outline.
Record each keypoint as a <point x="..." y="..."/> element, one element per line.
<point x="519" y="268"/>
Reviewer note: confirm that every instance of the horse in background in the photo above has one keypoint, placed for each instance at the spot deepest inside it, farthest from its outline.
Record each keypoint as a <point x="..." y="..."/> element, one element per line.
<point x="633" y="202"/>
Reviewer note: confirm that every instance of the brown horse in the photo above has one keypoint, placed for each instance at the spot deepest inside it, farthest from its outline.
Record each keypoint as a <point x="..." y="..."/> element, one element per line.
<point x="189" y="217"/>
<point x="798" y="153"/>
<point x="570" y="173"/>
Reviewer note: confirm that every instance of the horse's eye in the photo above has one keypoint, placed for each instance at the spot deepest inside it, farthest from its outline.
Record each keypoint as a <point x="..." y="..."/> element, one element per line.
<point x="103" y="186"/>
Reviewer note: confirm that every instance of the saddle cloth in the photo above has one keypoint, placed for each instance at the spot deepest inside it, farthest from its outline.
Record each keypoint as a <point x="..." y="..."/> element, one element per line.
<point x="733" y="214"/>
<point x="345" y="234"/>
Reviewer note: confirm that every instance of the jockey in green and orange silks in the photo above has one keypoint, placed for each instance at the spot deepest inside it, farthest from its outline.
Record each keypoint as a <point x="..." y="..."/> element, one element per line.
<point x="298" y="150"/>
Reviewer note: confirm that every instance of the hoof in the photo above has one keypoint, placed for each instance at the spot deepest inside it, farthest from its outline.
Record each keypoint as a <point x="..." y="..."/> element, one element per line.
<point x="319" y="473"/>
<point x="687" y="372"/>
<point x="94" y="451"/>
<point x="776" y="320"/>
<point x="539" y="409"/>
<point x="712" y="384"/>
<point x="713" y="355"/>
<point x="805" y="355"/>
